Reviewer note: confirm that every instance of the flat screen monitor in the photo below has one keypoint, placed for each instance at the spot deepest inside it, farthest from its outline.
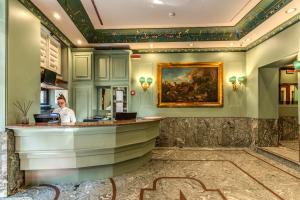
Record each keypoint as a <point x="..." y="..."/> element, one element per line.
<point x="49" y="77"/>
<point x="125" y="115"/>
<point x="47" y="118"/>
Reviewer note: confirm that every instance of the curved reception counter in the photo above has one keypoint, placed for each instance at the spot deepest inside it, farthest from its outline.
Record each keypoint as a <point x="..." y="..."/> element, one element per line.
<point x="83" y="151"/>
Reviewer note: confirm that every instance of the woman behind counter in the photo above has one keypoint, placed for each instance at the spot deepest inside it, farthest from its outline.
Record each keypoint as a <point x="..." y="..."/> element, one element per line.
<point x="66" y="114"/>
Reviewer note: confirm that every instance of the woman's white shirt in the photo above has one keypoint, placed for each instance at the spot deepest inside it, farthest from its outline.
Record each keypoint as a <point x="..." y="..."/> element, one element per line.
<point x="66" y="114"/>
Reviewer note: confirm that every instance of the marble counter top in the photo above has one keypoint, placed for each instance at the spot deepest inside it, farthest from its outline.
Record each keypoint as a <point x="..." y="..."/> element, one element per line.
<point x="85" y="124"/>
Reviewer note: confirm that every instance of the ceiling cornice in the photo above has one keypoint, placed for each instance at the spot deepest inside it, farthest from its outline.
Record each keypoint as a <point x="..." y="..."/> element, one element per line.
<point x="267" y="36"/>
<point x="46" y="22"/>
<point x="260" y="13"/>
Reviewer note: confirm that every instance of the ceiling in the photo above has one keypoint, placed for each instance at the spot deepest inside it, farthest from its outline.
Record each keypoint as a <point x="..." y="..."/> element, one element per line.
<point x="155" y="13"/>
<point x="146" y="24"/>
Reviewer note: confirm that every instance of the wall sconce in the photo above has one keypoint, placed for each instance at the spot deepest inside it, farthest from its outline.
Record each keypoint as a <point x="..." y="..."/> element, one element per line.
<point x="145" y="84"/>
<point x="241" y="80"/>
<point x="297" y="66"/>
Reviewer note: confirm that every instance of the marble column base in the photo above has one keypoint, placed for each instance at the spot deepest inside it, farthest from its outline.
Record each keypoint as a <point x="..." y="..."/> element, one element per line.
<point x="288" y="128"/>
<point x="12" y="178"/>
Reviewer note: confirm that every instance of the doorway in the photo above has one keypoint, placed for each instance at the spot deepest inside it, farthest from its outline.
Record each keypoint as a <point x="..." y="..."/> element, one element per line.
<point x="278" y="101"/>
<point x="288" y="111"/>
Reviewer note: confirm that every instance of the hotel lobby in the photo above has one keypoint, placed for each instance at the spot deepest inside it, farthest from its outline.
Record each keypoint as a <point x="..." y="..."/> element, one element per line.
<point x="149" y="99"/>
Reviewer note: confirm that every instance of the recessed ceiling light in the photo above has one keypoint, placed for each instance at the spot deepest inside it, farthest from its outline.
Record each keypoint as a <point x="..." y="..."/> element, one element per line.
<point x="290" y="10"/>
<point x="231" y="44"/>
<point x="151" y="45"/>
<point x="79" y="42"/>
<point x="56" y="16"/>
<point x="158" y="2"/>
<point x="191" y="44"/>
<point x="248" y="39"/>
<point x="172" y="14"/>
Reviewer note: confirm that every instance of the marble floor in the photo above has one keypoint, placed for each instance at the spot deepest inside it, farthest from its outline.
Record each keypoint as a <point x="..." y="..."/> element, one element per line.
<point x="288" y="149"/>
<point x="291" y="144"/>
<point x="188" y="173"/>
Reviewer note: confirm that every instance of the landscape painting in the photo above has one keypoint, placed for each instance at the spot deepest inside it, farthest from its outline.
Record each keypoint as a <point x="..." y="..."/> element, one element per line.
<point x="190" y="85"/>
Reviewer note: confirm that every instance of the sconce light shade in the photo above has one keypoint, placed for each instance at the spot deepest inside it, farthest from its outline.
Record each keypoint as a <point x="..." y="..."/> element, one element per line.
<point x="232" y="79"/>
<point x="297" y="65"/>
<point x="242" y="80"/>
<point x="142" y="80"/>
<point x="149" y="80"/>
<point x="145" y="83"/>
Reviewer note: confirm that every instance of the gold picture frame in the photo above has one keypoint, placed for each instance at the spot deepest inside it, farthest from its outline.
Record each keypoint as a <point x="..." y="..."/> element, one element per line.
<point x="200" y="84"/>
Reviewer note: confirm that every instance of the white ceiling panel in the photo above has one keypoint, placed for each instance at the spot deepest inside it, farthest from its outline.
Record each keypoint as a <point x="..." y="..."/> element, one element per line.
<point x="117" y="14"/>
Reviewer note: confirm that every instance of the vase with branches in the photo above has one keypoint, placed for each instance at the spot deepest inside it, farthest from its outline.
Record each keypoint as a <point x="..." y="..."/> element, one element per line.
<point x="23" y="108"/>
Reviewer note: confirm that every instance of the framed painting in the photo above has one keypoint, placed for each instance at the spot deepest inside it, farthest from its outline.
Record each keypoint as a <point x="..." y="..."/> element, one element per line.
<point x="190" y="84"/>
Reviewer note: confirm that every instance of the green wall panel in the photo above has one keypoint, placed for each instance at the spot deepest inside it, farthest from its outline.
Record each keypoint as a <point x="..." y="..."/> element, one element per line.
<point x="276" y="48"/>
<point x="23" y="78"/>
<point x="144" y="102"/>
<point x="82" y="63"/>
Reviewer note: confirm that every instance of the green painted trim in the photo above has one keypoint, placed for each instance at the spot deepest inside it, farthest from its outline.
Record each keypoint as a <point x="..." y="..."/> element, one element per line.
<point x="46" y="22"/>
<point x="261" y="12"/>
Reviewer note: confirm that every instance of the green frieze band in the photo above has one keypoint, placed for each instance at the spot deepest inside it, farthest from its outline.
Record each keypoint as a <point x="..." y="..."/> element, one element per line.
<point x="261" y="12"/>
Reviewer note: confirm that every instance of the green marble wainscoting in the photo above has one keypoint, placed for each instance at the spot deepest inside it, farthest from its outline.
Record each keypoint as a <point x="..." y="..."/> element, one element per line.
<point x="72" y="154"/>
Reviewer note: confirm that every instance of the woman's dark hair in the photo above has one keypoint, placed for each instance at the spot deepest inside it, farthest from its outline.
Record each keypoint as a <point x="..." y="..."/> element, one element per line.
<point x="61" y="97"/>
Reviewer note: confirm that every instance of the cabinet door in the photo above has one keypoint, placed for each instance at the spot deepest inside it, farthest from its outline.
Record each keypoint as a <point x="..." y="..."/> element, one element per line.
<point x="119" y="67"/>
<point x="82" y="66"/>
<point x="82" y="102"/>
<point x="102" y="68"/>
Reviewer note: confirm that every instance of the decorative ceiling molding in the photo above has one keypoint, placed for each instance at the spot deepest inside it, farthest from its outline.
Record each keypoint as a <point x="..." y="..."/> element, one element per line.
<point x="190" y="50"/>
<point x="267" y="36"/>
<point x="261" y="12"/>
<point x="274" y="32"/>
<point x="97" y="12"/>
<point x="46" y="22"/>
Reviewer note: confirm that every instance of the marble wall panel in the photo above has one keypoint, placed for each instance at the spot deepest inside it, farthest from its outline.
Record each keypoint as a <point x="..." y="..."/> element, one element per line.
<point x="288" y="128"/>
<point x="268" y="134"/>
<point x="3" y="166"/>
<point x="204" y="132"/>
<point x="217" y="132"/>
<point x="12" y="178"/>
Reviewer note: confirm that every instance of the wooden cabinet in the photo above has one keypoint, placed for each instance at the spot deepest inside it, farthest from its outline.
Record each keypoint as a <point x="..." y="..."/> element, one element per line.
<point x="82" y="66"/>
<point x="110" y="68"/>
<point x="82" y="102"/>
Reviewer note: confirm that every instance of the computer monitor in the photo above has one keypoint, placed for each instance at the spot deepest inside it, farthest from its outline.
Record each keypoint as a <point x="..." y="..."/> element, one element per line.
<point x="125" y="115"/>
<point x="47" y="118"/>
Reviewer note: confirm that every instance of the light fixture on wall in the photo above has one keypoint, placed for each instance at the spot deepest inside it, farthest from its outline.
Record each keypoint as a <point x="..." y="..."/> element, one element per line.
<point x="145" y="83"/>
<point x="297" y="65"/>
<point x="241" y="80"/>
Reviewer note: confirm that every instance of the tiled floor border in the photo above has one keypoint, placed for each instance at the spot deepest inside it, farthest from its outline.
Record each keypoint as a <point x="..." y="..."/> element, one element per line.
<point x="190" y="178"/>
<point x="114" y="189"/>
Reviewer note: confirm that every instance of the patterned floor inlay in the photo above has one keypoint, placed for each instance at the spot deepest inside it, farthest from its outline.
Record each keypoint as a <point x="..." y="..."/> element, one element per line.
<point x="191" y="174"/>
<point x="182" y="187"/>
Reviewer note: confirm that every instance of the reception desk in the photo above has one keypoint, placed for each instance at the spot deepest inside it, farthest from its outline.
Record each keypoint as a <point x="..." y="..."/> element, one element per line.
<point x="67" y="153"/>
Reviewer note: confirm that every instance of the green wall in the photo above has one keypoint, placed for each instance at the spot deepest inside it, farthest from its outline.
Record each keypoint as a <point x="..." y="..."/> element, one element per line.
<point x="145" y="102"/>
<point x="278" y="47"/>
<point x="2" y="62"/>
<point x="23" y="78"/>
<point x="268" y="81"/>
